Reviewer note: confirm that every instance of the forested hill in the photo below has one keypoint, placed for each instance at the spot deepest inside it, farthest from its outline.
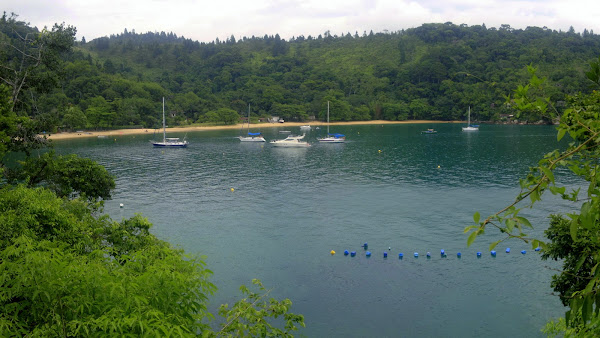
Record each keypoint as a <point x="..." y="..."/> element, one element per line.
<point x="435" y="71"/>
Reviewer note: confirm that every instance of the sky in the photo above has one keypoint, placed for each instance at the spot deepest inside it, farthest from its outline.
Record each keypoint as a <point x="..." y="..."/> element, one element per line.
<point x="209" y="19"/>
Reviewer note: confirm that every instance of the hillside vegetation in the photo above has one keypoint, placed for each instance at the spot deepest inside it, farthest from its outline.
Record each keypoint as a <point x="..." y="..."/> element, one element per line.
<point x="435" y="71"/>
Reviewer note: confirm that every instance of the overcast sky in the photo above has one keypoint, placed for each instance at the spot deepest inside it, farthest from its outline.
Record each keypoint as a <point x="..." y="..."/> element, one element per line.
<point x="209" y="19"/>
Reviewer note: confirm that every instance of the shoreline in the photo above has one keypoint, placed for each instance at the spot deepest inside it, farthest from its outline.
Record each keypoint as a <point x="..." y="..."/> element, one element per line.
<point x="120" y="132"/>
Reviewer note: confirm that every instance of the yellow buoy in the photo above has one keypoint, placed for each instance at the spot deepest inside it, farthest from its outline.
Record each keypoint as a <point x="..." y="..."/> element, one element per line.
<point x="439" y="167"/>
<point x="332" y="252"/>
<point x="232" y="190"/>
<point x="379" y="150"/>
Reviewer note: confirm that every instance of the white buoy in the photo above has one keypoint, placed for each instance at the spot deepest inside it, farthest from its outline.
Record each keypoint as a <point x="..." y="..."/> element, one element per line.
<point x="121" y="205"/>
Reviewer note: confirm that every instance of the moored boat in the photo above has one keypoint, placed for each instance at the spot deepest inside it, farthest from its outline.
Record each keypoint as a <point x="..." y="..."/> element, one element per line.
<point x="173" y="142"/>
<point x="291" y="142"/>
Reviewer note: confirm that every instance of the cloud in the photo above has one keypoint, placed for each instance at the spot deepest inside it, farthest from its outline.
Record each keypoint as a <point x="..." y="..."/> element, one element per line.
<point x="207" y="20"/>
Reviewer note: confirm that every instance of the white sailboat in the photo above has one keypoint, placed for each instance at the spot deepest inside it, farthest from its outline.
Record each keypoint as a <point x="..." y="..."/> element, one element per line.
<point x="332" y="138"/>
<point x="469" y="127"/>
<point x="169" y="141"/>
<point x="251" y="137"/>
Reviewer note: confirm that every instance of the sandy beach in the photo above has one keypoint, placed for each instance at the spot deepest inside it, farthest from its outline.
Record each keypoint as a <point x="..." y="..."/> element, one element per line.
<point x="256" y="126"/>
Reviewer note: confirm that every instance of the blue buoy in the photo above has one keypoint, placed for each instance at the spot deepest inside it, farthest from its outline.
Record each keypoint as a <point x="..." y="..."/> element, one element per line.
<point x="353" y="253"/>
<point x="384" y="254"/>
<point x="368" y="253"/>
<point x="428" y="254"/>
<point x="400" y="255"/>
<point x="416" y="254"/>
<point x="478" y="253"/>
<point x="507" y="250"/>
<point x="538" y="249"/>
<point x="442" y="252"/>
<point x="493" y="253"/>
<point x="523" y="252"/>
<point x="365" y="246"/>
<point x="346" y="252"/>
<point x="458" y="254"/>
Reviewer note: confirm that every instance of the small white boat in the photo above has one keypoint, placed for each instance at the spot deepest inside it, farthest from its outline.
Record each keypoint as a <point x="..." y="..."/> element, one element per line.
<point x="469" y="126"/>
<point x="285" y="131"/>
<point x="429" y="131"/>
<point x="251" y="137"/>
<point x="291" y="142"/>
<point x="169" y="141"/>
<point x="306" y="127"/>
<point x="332" y="138"/>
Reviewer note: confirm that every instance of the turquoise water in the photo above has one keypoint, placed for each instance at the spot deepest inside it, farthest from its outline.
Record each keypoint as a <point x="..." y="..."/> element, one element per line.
<point x="290" y="207"/>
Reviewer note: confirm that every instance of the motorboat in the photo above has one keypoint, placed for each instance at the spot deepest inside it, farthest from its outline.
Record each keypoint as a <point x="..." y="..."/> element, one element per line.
<point x="429" y="131"/>
<point x="332" y="138"/>
<point x="291" y="142"/>
<point x="305" y="127"/>
<point x="173" y="142"/>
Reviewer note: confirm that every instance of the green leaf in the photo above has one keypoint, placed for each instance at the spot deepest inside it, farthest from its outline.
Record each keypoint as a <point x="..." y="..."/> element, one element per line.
<point x="534" y="196"/>
<point x="493" y="245"/>
<point x="586" y="310"/>
<point x="524" y="221"/>
<point x="469" y="228"/>
<point x="561" y="134"/>
<point x="548" y="173"/>
<point x="586" y="217"/>
<point x="476" y="217"/>
<point x="557" y="190"/>
<point x="580" y="262"/>
<point x="573" y="229"/>
<point x="510" y="224"/>
<point x="471" y="238"/>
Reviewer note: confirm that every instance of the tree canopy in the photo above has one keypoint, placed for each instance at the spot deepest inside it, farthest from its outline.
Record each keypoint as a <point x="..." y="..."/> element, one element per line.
<point x="435" y="71"/>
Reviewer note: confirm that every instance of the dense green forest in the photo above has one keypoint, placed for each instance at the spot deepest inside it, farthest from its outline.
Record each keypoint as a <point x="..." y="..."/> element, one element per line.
<point x="435" y="71"/>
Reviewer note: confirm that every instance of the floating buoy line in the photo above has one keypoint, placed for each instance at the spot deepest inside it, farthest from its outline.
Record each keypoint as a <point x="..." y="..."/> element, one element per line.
<point x="416" y="254"/>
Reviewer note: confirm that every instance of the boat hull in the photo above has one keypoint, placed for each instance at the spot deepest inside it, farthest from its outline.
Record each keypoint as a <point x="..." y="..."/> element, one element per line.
<point x="170" y="145"/>
<point x="290" y="145"/>
<point x="252" y="139"/>
<point x="332" y="140"/>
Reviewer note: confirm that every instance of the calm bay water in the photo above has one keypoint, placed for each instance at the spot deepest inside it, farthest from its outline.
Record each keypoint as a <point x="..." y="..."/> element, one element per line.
<point x="290" y="207"/>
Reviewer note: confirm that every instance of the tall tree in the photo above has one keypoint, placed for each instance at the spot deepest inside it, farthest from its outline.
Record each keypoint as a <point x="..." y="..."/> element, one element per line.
<point x="31" y="59"/>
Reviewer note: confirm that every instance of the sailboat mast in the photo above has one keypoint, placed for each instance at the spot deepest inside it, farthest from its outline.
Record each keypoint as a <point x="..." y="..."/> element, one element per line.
<point x="164" y="124"/>
<point x="248" y="118"/>
<point x="327" y="117"/>
<point x="469" y="118"/>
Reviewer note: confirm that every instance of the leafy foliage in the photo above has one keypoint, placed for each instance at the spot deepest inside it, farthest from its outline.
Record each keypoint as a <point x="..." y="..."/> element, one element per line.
<point x="573" y="238"/>
<point x="67" y="176"/>
<point x="67" y="273"/>
<point x="248" y="317"/>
